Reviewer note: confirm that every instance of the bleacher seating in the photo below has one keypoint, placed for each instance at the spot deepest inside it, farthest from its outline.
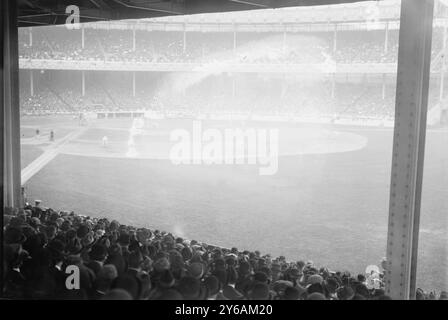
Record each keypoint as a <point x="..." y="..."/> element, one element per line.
<point x="117" y="261"/>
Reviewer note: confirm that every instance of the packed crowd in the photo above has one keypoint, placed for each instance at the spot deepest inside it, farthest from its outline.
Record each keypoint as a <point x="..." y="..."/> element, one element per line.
<point x="117" y="261"/>
<point x="47" y="102"/>
<point x="169" y="47"/>
<point x="59" y="96"/>
<point x="368" y="107"/>
<point x="42" y="102"/>
<point x="250" y="94"/>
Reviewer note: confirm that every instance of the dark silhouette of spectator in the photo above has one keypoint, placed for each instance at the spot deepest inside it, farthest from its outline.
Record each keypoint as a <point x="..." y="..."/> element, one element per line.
<point x="116" y="262"/>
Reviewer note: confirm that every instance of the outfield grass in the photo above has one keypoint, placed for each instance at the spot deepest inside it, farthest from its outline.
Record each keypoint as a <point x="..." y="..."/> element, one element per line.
<point x="331" y="209"/>
<point x="28" y="154"/>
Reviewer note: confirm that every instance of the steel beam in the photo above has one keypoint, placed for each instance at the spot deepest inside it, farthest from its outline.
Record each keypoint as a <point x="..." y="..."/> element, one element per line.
<point x="83" y="37"/>
<point x="133" y="84"/>
<point x="31" y="82"/>
<point x="3" y="14"/>
<point x="83" y="83"/>
<point x="184" y="38"/>
<point x="442" y="68"/>
<point x="133" y="39"/>
<point x="10" y="106"/>
<point x="335" y="38"/>
<point x="386" y="37"/>
<point x="408" y="147"/>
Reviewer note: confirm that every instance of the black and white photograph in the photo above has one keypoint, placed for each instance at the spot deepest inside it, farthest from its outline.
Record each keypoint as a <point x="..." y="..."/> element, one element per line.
<point x="228" y="154"/>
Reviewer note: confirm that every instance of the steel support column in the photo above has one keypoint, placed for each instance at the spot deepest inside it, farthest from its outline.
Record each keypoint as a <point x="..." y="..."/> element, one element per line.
<point x="83" y="83"/>
<point x="234" y="38"/>
<point x="133" y="39"/>
<point x="83" y="37"/>
<point x="2" y="136"/>
<point x="31" y="82"/>
<point x="335" y="38"/>
<point x="443" y="66"/>
<point x="408" y="147"/>
<point x="185" y="38"/>
<point x="386" y="38"/>
<point x="442" y="80"/>
<point x="284" y="39"/>
<point x="333" y="86"/>
<point x="11" y="189"/>
<point x="133" y="84"/>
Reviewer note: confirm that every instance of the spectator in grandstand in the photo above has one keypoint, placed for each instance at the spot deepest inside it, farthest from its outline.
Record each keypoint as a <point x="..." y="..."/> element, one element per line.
<point x="121" y="262"/>
<point x="163" y="47"/>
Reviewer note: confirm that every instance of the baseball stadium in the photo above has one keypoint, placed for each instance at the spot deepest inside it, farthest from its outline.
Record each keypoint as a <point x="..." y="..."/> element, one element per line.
<point x="264" y="140"/>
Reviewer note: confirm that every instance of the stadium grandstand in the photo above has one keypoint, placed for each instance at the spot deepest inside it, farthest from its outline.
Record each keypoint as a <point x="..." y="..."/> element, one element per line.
<point x="130" y="53"/>
<point x="99" y="106"/>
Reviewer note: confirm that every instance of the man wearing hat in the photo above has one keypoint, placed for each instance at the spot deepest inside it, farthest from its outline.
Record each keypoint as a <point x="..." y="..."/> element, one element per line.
<point x="35" y="223"/>
<point x="97" y="255"/>
<point x="135" y="270"/>
<point x="124" y="240"/>
<point x="103" y="281"/>
<point x="212" y="286"/>
<point x="14" y="280"/>
<point x="259" y="291"/>
<point x="17" y="222"/>
<point x="196" y="270"/>
<point x="280" y="286"/>
<point x="14" y="235"/>
<point x="58" y="254"/>
<point x="191" y="289"/>
<point x="228" y="291"/>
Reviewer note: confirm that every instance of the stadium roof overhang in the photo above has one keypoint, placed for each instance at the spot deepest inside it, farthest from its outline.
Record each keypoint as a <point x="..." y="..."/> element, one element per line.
<point x="50" y="12"/>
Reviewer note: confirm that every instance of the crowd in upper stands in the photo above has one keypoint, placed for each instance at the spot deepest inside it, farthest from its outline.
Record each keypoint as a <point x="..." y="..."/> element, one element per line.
<point x="250" y="48"/>
<point x="169" y="46"/>
<point x="121" y="262"/>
